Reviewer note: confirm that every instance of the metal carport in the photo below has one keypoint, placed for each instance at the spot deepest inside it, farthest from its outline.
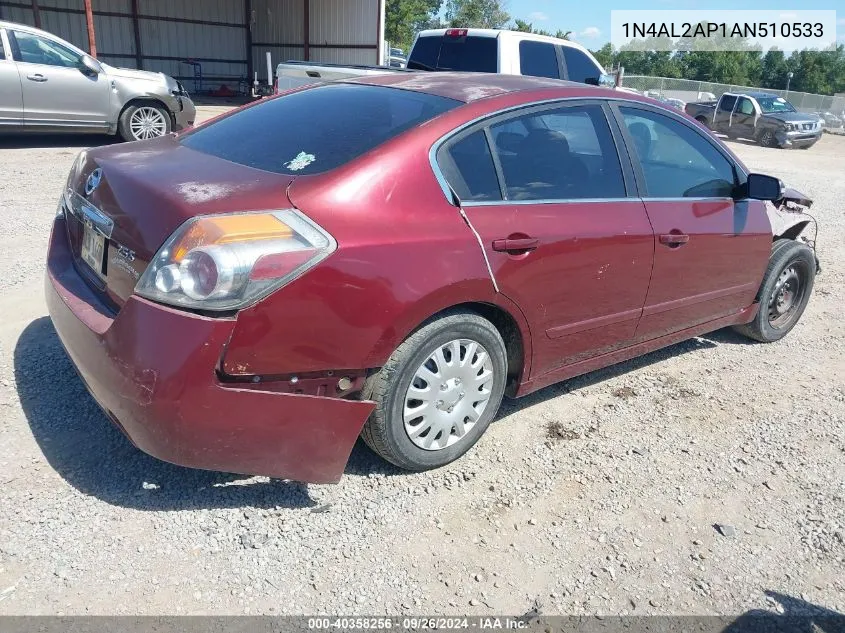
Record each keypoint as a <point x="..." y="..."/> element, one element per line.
<point x="227" y="38"/>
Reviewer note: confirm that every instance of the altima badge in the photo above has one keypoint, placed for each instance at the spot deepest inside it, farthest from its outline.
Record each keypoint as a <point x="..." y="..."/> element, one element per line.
<point x="93" y="181"/>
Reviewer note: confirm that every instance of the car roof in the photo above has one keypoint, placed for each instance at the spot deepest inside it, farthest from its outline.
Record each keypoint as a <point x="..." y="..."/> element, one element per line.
<point x="756" y="95"/>
<point x="469" y="87"/>
<point x="498" y="33"/>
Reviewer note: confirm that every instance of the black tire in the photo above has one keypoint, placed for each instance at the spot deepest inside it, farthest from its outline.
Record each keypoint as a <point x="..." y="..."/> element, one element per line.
<point x="702" y="120"/>
<point x="767" y="138"/>
<point x="125" y="126"/>
<point x="770" y="325"/>
<point x="385" y="431"/>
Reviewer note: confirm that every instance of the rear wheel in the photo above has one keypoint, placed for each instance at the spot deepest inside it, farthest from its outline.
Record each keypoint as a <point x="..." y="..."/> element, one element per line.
<point x="437" y="393"/>
<point x="785" y="291"/>
<point x="143" y="121"/>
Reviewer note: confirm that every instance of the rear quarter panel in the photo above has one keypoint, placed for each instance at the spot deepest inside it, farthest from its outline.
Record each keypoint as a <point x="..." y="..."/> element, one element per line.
<point x="404" y="253"/>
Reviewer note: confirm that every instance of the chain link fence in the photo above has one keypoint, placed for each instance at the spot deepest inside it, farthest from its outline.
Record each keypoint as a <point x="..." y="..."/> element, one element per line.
<point x="688" y="90"/>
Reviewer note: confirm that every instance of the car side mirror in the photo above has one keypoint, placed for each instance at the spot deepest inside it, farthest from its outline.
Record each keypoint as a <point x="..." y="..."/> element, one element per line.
<point x="763" y="187"/>
<point x="90" y="66"/>
<point x="606" y="80"/>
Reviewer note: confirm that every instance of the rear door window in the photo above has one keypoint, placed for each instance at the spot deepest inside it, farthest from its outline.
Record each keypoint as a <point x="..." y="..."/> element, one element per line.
<point x="726" y="104"/>
<point x="467" y="165"/>
<point x="538" y="59"/>
<point x="561" y="154"/>
<point x="445" y="52"/>
<point x="317" y="129"/>
<point x="579" y="67"/>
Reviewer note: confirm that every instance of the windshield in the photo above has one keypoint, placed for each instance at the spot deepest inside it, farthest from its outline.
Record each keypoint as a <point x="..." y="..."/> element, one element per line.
<point x="318" y="129"/>
<point x="771" y="105"/>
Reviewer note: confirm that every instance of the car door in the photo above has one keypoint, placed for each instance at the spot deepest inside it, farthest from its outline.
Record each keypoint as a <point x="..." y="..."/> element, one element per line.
<point x="56" y="89"/>
<point x="710" y="250"/>
<point x="744" y="118"/>
<point x="11" y="100"/>
<point x="547" y="194"/>
<point x="724" y="111"/>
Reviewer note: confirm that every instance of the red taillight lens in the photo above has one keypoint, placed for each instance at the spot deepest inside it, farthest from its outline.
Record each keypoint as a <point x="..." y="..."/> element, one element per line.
<point x="457" y="32"/>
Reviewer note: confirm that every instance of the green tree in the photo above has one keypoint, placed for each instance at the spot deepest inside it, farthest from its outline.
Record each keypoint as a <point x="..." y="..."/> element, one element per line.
<point x="605" y="55"/>
<point x="404" y="18"/>
<point x="485" y="14"/>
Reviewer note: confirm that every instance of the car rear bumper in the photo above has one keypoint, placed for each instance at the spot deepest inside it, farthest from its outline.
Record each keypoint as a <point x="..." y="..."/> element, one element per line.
<point x="153" y="371"/>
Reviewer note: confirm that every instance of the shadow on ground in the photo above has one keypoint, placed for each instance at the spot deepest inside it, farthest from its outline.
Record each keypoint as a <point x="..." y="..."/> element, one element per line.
<point x="93" y="456"/>
<point x="799" y="616"/>
<point x="34" y="141"/>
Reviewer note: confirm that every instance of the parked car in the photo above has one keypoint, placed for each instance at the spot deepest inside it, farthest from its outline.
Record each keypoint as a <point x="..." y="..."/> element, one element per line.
<point x="767" y="118"/>
<point x="829" y="119"/>
<point x="471" y="50"/>
<point x="49" y="85"/>
<point x="251" y="297"/>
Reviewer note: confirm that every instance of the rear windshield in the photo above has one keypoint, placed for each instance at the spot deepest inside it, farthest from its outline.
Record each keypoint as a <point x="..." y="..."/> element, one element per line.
<point x="468" y="54"/>
<point x="317" y="129"/>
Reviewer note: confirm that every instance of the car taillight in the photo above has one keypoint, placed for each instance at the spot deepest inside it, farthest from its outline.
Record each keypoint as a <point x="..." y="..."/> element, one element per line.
<point x="227" y="262"/>
<point x="457" y="32"/>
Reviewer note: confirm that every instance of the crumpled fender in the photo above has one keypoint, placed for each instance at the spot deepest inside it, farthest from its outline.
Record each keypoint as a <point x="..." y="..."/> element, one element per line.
<point x="785" y="215"/>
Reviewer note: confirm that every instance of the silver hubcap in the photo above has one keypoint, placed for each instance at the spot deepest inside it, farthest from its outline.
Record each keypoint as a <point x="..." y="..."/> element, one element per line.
<point x="448" y="394"/>
<point x="147" y="123"/>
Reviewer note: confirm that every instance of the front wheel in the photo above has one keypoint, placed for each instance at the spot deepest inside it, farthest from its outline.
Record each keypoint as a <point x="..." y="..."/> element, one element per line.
<point x="767" y="139"/>
<point x="143" y="121"/>
<point x="437" y="393"/>
<point x="784" y="292"/>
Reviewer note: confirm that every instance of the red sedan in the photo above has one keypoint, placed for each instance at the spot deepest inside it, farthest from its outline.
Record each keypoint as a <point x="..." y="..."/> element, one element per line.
<point x="388" y="257"/>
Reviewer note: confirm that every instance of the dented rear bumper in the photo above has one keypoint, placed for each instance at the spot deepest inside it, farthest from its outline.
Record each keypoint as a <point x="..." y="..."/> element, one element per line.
<point x="153" y="370"/>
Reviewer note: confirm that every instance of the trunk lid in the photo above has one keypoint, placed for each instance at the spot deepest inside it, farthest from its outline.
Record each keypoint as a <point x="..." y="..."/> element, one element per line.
<point x="141" y="193"/>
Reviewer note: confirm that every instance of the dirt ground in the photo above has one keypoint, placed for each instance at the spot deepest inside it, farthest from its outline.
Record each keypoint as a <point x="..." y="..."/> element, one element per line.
<point x="707" y="478"/>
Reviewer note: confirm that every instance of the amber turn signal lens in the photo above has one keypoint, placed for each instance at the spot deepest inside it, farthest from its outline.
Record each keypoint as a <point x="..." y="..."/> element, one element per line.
<point x="231" y="229"/>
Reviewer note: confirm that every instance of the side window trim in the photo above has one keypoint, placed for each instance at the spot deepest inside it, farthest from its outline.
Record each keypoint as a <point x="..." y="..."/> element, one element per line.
<point x="561" y="62"/>
<point x="739" y="174"/>
<point x="617" y="128"/>
<point x="497" y="163"/>
<point x="485" y="124"/>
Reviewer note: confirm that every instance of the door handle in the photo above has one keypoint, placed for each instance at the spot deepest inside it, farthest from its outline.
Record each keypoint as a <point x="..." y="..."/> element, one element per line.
<point x="515" y="244"/>
<point x="674" y="240"/>
<point x="37" y="77"/>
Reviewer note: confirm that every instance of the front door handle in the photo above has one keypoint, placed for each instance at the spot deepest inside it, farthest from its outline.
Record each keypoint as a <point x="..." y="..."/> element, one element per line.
<point x="37" y="77"/>
<point x="674" y="240"/>
<point x="521" y="244"/>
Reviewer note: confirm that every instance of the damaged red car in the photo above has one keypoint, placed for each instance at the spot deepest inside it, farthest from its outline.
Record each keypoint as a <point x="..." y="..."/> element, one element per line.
<point x="388" y="257"/>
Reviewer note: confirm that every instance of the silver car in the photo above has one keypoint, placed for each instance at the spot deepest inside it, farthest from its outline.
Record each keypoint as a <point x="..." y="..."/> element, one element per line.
<point x="49" y="85"/>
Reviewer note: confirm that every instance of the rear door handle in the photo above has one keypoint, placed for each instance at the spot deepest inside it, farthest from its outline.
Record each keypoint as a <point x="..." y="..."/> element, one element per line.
<point x="37" y="77"/>
<point x="673" y="240"/>
<point x="515" y="244"/>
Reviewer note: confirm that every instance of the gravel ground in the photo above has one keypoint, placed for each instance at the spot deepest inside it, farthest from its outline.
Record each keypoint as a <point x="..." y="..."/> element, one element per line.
<point x="707" y="478"/>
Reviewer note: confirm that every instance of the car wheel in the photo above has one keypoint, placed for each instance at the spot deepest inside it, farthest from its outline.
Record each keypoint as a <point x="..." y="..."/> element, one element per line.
<point x="437" y="393"/>
<point x="142" y="121"/>
<point x="767" y="138"/>
<point x="702" y="120"/>
<point x="784" y="293"/>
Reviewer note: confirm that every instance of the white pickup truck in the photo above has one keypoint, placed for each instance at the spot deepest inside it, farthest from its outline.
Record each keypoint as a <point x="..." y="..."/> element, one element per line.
<point x="470" y="50"/>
